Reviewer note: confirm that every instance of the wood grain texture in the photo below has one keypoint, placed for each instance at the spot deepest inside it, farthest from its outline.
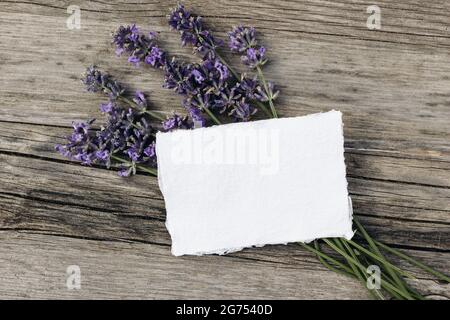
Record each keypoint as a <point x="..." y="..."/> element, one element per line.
<point x="393" y="86"/>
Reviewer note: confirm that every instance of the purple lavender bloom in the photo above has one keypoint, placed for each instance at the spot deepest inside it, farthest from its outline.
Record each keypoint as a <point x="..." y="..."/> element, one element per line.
<point x="227" y="99"/>
<point x="247" y="86"/>
<point x="81" y="144"/>
<point x="242" y="38"/>
<point x="139" y="47"/>
<point x="197" y="117"/>
<point x="254" y="57"/>
<point x="193" y="32"/>
<point x="106" y="107"/>
<point x="242" y="111"/>
<point x="126" y="134"/>
<point x="264" y="96"/>
<point x="180" y="19"/>
<point x="179" y="77"/>
<point x="150" y="151"/>
<point x="133" y="153"/>
<point x="102" y="155"/>
<point x="155" y="58"/>
<point x="222" y="69"/>
<point x="97" y="81"/>
<point x="125" y="39"/>
<point x="217" y="74"/>
<point x="127" y="170"/>
<point x="134" y="60"/>
<point x="201" y="100"/>
<point x="176" y="122"/>
<point x="198" y="76"/>
<point x="140" y="100"/>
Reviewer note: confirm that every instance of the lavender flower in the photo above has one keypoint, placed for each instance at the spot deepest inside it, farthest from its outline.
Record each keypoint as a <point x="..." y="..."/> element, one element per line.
<point x="140" y="48"/>
<point x="155" y="58"/>
<point x="150" y="151"/>
<point x="126" y="135"/>
<point x="254" y="57"/>
<point x="197" y="116"/>
<point x="97" y="81"/>
<point x="82" y="144"/>
<point x="242" y="111"/>
<point x="263" y="95"/>
<point x="202" y="85"/>
<point x="176" y="122"/>
<point x="205" y="86"/>
<point x="193" y="32"/>
<point x="127" y="169"/>
<point x="140" y="101"/>
<point x="227" y="99"/>
<point x="242" y="38"/>
<point x="247" y="86"/>
<point x="179" y="77"/>
<point x="107" y="107"/>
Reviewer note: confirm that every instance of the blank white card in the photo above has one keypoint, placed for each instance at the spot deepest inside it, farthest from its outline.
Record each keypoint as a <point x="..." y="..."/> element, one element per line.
<point x="250" y="184"/>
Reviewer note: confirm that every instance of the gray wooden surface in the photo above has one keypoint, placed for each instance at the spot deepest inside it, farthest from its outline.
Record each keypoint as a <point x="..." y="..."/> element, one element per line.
<point x="393" y="86"/>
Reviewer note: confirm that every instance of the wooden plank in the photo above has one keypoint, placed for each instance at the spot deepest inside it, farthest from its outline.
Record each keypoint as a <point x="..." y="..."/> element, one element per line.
<point x="118" y="270"/>
<point x="37" y="269"/>
<point x="82" y="201"/>
<point x="39" y="140"/>
<point x="381" y="186"/>
<point x="392" y="86"/>
<point x="330" y="71"/>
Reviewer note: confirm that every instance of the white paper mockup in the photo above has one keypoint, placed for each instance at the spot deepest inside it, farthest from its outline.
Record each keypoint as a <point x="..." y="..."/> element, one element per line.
<point x="250" y="184"/>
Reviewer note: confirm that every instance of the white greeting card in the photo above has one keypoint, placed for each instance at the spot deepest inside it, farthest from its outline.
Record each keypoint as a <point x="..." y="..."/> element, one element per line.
<point x="250" y="184"/>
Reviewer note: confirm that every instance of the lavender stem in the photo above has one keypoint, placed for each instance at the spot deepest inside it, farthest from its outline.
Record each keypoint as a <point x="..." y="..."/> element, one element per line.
<point x="236" y="76"/>
<point x="140" y="167"/>
<point x="269" y="94"/>
<point x="212" y="116"/>
<point x="133" y="105"/>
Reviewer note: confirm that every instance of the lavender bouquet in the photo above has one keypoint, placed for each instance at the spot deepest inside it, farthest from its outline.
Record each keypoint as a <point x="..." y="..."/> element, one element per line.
<point x="212" y="93"/>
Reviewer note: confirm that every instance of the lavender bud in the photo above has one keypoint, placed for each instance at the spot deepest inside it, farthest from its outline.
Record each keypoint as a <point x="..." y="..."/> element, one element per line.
<point x="193" y="32"/>
<point x="97" y="81"/>
<point x="254" y="57"/>
<point x="140" y="48"/>
<point x="242" y="38"/>
<point x="264" y="96"/>
<point x="176" y="122"/>
<point x="243" y="111"/>
<point x="197" y="116"/>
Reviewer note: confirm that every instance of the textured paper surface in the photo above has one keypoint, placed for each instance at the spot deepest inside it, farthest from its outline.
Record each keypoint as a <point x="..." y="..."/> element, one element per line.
<point x="291" y="187"/>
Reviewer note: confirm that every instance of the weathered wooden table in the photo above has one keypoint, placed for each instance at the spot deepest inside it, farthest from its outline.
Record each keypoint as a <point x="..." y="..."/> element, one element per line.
<point x="392" y="84"/>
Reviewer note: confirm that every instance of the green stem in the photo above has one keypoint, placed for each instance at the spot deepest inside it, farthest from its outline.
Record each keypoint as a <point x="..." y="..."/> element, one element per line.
<point x="268" y="93"/>
<point x="422" y="266"/>
<point x="148" y="170"/>
<point x="212" y="116"/>
<point x="377" y="293"/>
<point x="140" y="167"/>
<point x="392" y="293"/>
<point x="374" y="247"/>
<point x="374" y="256"/>
<point x="135" y="106"/>
<point x="237" y="77"/>
<point x="355" y="270"/>
<point x="323" y="255"/>
<point x="384" y="283"/>
<point x="326" y="264"/>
